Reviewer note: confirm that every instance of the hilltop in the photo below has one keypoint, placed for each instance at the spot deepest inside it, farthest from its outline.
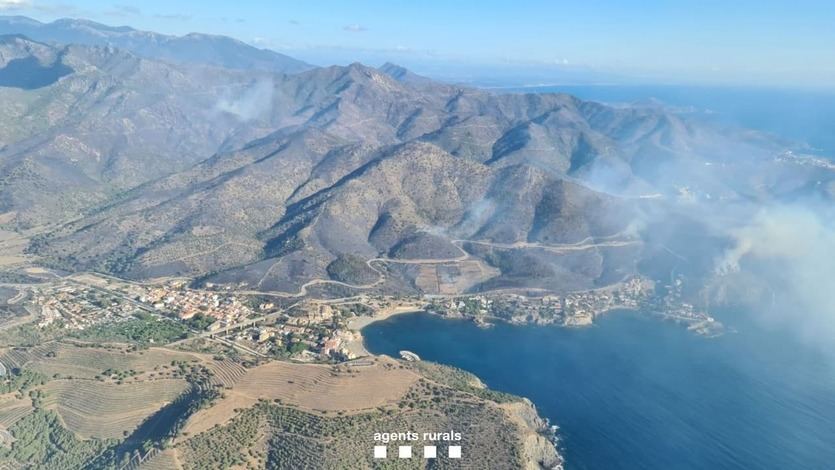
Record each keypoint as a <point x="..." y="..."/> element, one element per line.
<point x="75" y="405"/>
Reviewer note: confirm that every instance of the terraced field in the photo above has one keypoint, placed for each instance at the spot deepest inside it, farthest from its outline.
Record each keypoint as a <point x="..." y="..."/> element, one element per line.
<point x="226" y="372"/>
<point x="40" y="441"/>
<point x="13" y="409"/>
<point x="18" y="357"/>
<point x="83" y="362"/>
<point x="166" y="460"/>
<point x="102" y="410"/>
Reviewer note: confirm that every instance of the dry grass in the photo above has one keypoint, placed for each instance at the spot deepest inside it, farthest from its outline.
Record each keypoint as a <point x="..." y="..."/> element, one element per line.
<point x="321" y="387"/>
<point x="12" y="260"/>
<point x="312" y="387"/>
<point x="454" y="277"/>
<point x="219" y="414"/>
<point x="11" y="248"/>
<point x="90" y="279"/>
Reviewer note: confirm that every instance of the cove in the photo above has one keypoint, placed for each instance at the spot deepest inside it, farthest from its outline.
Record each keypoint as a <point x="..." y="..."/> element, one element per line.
<point x="634" y="392"/>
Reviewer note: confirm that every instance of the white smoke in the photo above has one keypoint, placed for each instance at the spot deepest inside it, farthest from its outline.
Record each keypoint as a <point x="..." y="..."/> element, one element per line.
<point x="253" y="103"/>
<point x="784" y="232"/>
<point x="476" y="216"/>
<point x="793" y="248"/>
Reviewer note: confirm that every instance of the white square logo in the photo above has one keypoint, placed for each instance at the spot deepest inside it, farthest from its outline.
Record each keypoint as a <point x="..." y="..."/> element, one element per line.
<point x="430" y="452"/>
<point x="455" y="452"/>
<point x="404" y="452"/>
<point x="379" y="452"/>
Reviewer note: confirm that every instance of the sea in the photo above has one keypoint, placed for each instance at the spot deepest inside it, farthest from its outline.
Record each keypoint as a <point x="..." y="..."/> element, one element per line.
<point x="636" y="392"/>
<point x="799" y="115"/>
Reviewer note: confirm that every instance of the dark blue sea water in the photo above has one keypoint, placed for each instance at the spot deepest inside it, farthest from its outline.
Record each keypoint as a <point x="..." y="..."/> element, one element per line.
<point x="634" y="392"/>
<point x="802" y="116"/>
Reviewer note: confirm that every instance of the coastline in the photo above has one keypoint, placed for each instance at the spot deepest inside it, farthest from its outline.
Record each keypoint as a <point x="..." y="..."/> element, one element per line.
<point x="538" y="450"/>
<point x="356" y="324"/>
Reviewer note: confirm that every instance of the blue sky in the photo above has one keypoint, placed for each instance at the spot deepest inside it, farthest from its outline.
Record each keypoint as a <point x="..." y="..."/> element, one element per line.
<point x="766" y="42"/>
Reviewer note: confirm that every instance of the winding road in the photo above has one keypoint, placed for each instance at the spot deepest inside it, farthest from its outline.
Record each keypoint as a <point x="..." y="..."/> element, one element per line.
<point x="585" y="244"/>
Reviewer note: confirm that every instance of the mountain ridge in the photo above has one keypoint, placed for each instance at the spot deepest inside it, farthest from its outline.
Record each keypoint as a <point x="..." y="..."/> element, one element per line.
<point x="265" y="180"/>
<point x="190" y="48"/>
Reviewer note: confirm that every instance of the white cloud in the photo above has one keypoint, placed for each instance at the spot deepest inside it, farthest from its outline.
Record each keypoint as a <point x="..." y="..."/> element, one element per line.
<point x="122" y="11"/>
<point x="355" y="28"/>
<point x="14" y="4"/>
<point x="173" y="16"/>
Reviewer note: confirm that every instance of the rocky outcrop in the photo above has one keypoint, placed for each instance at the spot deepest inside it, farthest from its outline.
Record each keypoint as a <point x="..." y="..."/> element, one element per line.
<point x="539" y="449"/>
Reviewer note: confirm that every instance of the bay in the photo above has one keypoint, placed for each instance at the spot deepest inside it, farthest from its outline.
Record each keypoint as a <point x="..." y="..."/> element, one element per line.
<point x="634" y="392"/>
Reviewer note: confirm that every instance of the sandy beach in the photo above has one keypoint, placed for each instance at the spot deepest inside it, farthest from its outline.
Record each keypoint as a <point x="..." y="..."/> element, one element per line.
<point x="356" y="325"/>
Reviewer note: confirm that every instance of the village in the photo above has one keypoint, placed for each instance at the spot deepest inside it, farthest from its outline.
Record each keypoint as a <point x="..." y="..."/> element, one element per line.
<point x="572" y="309"/>
<point x="577" y="309"/>
<point x="672" y="307"/>
<point x="319" y="330"/>
<point x="77" y="307"/>
<point x="305" y="330"/>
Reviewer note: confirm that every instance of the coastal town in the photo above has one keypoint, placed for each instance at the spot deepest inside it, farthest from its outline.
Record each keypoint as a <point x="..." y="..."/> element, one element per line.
<point x="573" y="309"/>
<point x="306" y="330"/>
<point x="578" y="309"/>
<point x="672" y="306"/>
<point x="314" y="330"/>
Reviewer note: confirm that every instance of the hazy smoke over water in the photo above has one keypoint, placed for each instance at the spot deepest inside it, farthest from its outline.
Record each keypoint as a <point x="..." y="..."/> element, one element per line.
<point x="793" y="249"/>
<point x="784" y="232"/>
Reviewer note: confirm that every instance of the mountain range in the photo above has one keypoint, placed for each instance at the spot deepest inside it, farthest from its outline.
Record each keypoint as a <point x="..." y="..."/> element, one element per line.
<point x="192" y="48"/>
<point x="146" y="155"/>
